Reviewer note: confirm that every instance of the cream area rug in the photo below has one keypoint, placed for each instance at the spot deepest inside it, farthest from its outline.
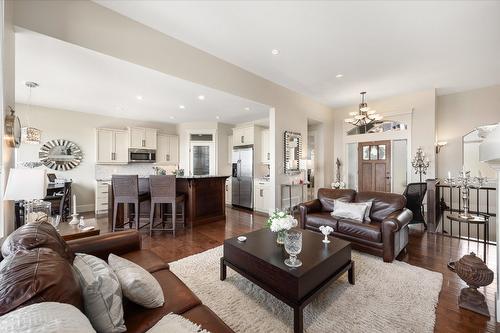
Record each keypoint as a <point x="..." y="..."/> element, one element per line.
<point x="387" y="297"/>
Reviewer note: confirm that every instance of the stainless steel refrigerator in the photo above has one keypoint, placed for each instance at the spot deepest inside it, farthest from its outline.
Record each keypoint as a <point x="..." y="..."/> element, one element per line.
<point x="242" y="177"/>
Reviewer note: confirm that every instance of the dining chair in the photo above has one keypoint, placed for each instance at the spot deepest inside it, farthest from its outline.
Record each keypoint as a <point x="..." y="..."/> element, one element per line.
<point x="61" y="201"/>
<point x="163" y="191"/>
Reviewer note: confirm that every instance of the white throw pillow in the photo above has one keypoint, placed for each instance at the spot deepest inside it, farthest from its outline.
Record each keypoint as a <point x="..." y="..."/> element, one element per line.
<point x="46" y="317"/>
<point x="102" y="294"/>
<point x="349" y="210"/>
<point x="369" y="205"/>
<point x="175" y="323"/>
<point x="138" y="285"/>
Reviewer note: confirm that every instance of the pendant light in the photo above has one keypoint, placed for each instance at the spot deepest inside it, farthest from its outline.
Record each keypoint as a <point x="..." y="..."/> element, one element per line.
<point x="29" y="134"/>
<point x="365" y="115"/>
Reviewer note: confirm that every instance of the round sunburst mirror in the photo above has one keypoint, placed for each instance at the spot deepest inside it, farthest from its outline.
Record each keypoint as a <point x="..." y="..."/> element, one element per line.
<point x="60" y="155"/>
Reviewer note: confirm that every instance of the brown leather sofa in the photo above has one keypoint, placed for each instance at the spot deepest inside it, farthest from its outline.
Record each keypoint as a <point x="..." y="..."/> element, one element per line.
<point x="386" y="235"/>
<point x="179" y="298"/>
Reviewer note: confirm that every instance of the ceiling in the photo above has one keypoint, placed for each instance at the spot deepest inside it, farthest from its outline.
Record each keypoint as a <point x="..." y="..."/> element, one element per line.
<point x="383" y="47"/>
<point x="77" y="79"/>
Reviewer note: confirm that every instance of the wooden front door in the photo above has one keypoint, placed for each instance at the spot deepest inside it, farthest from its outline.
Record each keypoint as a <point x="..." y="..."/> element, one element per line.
<point x="374" y="166"/>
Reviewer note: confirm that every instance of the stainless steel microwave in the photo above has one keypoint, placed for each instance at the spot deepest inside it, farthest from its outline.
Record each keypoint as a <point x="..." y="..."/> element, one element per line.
<point x="142" y="156"/>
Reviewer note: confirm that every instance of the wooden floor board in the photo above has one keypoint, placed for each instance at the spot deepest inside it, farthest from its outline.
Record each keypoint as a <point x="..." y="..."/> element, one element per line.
<point x="427" y="250"/>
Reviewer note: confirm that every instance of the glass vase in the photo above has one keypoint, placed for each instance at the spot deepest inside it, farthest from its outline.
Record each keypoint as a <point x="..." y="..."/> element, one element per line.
<point x="37" y="211"/>
<point x="280" y="237"/>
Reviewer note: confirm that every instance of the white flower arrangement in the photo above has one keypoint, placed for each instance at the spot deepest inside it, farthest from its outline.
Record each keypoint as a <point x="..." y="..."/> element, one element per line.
<point x="338" y="185"/>
<point x="281" y="221"/>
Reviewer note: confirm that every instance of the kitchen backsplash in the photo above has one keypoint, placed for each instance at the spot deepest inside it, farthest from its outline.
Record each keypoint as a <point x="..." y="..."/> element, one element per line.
<point x="104" y="172"/>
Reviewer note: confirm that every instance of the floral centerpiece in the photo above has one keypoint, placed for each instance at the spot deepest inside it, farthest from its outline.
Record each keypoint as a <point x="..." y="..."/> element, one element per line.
<point x="280" y="222"/>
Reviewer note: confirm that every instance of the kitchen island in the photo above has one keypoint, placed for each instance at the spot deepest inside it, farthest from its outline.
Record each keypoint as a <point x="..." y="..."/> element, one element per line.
<point x="204" y="199"/>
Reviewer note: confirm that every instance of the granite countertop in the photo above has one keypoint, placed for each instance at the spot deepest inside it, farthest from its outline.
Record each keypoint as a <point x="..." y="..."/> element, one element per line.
<point x="107" y="179"/>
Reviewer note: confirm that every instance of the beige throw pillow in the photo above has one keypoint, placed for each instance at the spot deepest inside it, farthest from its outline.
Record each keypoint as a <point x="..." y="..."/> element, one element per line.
<point x="45" y="317"/>
<point x="102" y="294"/>
<point x="138" y="285"/>
<point x="350" y="210"/>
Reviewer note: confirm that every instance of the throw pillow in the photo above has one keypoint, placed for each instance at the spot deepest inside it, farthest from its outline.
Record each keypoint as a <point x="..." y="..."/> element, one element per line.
<point x="34" y="276"/>
<point x="138" y="285"/>
<point x="102" y="294"/>
<point x="46" y="317"/>
<point x="369" y="205"/>
<point x="349" y="210"/>
<point x="177" y="324"/>
<point x="35" y="235"/>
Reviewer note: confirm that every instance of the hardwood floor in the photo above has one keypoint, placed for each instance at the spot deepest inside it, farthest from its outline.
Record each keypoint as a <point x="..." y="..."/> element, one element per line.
<point x="430" y="251"/>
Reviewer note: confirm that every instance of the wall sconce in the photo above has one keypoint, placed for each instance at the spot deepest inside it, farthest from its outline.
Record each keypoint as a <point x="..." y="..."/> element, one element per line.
<point x="439" y="145"/>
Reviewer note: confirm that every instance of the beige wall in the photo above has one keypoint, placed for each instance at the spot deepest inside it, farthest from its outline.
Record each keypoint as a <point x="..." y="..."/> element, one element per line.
<point x="79" y="128"/>
<point x="421" y="106"/>
<point x="94" y="27"/>
<point x="8" y="67"/>
<point x="457" y="115"/>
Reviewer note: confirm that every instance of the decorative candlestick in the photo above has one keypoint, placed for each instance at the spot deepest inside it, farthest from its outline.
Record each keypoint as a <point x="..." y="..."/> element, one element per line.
<point x="74" y="220"/>
<point x="464" y="182"/>
<point x="420" y="163"/>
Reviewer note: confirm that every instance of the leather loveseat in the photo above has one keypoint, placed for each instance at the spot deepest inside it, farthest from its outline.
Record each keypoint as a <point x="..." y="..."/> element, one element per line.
<point x="386" y="235"/>
<point x="50" y="286"/>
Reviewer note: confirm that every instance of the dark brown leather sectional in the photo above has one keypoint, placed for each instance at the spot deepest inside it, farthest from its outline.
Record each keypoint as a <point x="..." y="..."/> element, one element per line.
<point x="386" y="235"/>
<point x="40" y="270"/>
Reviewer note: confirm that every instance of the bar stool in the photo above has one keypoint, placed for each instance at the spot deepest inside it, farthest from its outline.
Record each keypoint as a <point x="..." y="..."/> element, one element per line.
<point x="126" y="192"/>
<point x="162" y="190"/>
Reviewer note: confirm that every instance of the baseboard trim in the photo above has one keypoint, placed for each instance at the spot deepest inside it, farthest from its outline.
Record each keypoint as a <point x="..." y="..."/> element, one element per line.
<point x="85" y="208"/>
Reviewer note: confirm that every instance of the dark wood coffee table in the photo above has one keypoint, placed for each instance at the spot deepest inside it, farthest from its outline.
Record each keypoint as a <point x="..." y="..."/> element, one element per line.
<point x="261" y="260"/>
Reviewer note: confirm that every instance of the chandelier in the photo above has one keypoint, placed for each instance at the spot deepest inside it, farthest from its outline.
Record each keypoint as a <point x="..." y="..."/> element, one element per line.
<point x="30" y="134"/>
<point x="364" y="116"/>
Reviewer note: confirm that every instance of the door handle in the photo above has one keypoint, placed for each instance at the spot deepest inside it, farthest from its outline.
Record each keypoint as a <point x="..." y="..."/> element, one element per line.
<point x="261" y="193"/>
<point x="143" y="143"/>
<point x="168" y="157"/>
<point x="242" y="139"/>
<point x="268" y="156"/>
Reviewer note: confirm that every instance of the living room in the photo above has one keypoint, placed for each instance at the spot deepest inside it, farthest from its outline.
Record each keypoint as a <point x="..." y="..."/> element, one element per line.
<point x="351" y="117"/>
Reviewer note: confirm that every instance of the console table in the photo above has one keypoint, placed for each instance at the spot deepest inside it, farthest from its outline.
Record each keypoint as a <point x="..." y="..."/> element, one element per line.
<point x="481" y="219"/>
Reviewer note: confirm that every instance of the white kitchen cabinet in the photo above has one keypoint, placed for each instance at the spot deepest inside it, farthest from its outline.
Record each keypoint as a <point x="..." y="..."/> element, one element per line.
<point x="265" y="147"/>
<point x="243" y="136"/>
<point x="228" y="191"/>
<point x="262" y="197"/>
<point x="111" y="146"/>
<point x="142" y="138"/>
<point x="230" y="149"/>
<point x="167" y="150"/>
<point x="101" y="197"/>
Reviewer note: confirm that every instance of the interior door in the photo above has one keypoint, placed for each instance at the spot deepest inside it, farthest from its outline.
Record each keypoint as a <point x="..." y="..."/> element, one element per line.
<point x="374" y="166"/>
<point x="202" y="158"/>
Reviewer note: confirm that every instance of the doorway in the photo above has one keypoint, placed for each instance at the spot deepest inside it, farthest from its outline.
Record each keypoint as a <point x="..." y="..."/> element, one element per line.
<point x="202" y="155"/>
<point x="374" y="166"/>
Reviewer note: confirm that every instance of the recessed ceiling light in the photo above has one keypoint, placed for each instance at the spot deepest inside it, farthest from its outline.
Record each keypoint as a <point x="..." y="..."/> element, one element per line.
<point x="201" y="97"/>
<point x="247" y="108"/>
<point x="217" y="117"/>
<point x="182" y="107"/>
<point x="339" y="76"/>
<point x="171" y="117"/>
<point x="139" y="97"/>
<point x="275" y="51"/>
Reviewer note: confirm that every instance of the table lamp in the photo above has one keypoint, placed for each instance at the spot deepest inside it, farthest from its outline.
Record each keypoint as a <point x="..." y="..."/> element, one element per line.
<point x="489" y="152"/>
<point x="30" y="186"/>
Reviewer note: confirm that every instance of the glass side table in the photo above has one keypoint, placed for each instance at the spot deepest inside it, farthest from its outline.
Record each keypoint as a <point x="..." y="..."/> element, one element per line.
<point x="480" y="219"/>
